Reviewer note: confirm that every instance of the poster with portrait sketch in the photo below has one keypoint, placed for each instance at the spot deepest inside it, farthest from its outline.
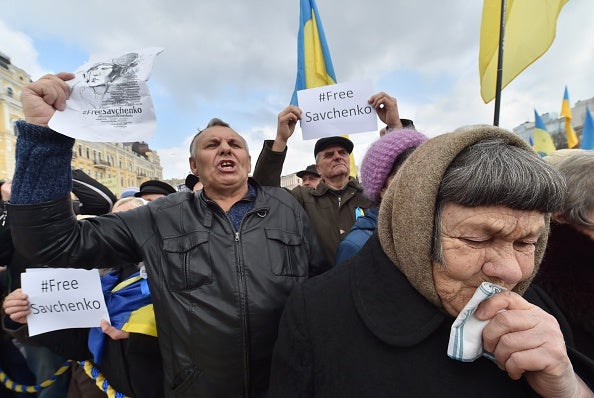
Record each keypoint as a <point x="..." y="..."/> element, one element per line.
<point x="109" y="99"/>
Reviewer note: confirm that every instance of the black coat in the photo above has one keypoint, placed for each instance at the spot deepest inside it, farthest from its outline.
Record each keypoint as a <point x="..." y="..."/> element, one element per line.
<point x="566" y="274"/>
<point x="217" y="294"/>
<point x="361" y="330"/>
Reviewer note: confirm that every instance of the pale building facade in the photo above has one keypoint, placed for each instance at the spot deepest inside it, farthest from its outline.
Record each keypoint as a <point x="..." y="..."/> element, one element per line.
<point x="116" y="165"/>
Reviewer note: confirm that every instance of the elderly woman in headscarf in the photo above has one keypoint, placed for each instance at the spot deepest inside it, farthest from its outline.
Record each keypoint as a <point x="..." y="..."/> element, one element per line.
<point x="439" y="302"/>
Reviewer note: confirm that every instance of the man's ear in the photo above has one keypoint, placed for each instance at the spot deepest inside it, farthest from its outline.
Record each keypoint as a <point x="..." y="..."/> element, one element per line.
<point x="193" y="166"/>
<point x="559" y="218"/>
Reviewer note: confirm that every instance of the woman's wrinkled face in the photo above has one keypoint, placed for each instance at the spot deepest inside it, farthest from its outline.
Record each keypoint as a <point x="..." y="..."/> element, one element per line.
<point x="489" y="243"/>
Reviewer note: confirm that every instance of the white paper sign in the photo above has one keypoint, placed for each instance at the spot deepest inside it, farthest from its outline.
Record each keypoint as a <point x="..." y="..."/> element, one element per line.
<point x="337" y="109"/>
<point x="63" y="298"/>
<point x="109" y="99"/>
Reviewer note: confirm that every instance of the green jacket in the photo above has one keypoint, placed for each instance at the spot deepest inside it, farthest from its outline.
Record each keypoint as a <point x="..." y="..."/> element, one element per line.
<point x="330" y="214"/>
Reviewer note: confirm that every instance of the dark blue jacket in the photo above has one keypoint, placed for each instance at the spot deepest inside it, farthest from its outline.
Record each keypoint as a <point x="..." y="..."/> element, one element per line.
<point x="363" y="228"/>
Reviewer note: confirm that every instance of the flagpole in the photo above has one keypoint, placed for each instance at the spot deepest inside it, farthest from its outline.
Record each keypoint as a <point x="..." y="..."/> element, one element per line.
<point x="499" y="65"/>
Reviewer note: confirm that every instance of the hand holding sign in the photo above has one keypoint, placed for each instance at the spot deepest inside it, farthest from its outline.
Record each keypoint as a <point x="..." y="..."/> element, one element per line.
<point x="63" y="298"/>
<point x="336" y="110"/>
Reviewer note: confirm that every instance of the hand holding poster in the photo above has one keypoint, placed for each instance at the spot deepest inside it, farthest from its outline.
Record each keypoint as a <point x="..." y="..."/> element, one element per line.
<point x="109" y="99"/>
<point x="337" y="109"/>
<point x="63" y="298"/>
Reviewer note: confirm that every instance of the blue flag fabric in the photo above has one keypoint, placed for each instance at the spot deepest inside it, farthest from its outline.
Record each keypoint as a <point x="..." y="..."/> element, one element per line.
<point x="122" y="301"/>
<point x="314" y="65"/>
<point x="588" y="131"/>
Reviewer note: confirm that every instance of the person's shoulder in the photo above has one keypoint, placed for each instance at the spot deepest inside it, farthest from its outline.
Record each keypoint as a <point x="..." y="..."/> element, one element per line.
<point x="354" y="183"/>
<point x="278" y="194"/>
<point x="171" y="200"/>
<point x="327" y="285"/>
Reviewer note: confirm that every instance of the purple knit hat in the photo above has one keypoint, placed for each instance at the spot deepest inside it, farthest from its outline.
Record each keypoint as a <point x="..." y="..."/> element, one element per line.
<point x="380" y="157"/>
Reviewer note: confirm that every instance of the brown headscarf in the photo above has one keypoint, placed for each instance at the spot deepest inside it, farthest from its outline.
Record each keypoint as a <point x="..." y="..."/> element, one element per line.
<point x="405" y="220"/>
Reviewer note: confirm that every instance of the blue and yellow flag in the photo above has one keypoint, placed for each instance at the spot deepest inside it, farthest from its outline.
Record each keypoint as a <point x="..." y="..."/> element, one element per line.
<point x="543" y="143"/>
<point x="314" y="65"/>
<point x="572" y="139"/>
<point x="530" y="28"/>
<point x="588" y="131"/>
<point x="130" y="309"/>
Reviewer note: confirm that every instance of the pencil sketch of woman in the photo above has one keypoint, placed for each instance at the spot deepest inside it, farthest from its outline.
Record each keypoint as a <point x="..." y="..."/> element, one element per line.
<point x="93" y="89"/>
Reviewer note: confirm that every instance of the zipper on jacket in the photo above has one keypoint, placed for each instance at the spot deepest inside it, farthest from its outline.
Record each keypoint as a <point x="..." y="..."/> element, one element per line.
<point x="243" y="308"/>
<point x="243" y="304"/>
<point x="242" y="297"/>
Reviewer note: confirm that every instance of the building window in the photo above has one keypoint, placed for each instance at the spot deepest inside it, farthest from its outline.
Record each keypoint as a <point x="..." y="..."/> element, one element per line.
<point x="80" y="150"/>
<point x="88" y="153"/>
<point x="15" y="129"/>
<point x="9" y="92"/>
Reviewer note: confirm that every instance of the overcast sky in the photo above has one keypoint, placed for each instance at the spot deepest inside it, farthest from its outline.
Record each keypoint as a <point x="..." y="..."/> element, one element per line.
<point x="236" y="60"/>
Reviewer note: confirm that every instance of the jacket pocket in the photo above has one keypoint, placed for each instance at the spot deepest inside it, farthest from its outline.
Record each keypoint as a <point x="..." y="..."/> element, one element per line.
<point x="287" y="253"/>
<point x="188" y="261"/>
<point x="185" y="379"/>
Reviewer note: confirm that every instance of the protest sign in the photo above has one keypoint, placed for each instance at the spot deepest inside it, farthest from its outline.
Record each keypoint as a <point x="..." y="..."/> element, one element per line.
<point x="109" y="99"/>
<point x="63" y="298"/>
<point x="337" y="109"/>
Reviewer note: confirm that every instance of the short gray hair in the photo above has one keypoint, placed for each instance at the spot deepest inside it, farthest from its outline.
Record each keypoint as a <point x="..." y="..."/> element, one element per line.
<point x="578" y="170"/>
<point x="494" y="173"/>
<point x="213" y="122"/>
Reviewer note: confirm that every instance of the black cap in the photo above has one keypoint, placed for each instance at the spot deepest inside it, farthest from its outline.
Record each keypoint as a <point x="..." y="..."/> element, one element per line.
<point x="191" y="180"/>
<point x="154" y="186"/>
<point x="325" y="142"/>
<point x="311" y="169"/>
<point x="407" y="124"/>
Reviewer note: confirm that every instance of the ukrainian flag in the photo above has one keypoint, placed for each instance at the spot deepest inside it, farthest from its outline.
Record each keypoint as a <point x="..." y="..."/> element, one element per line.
<point x="530" y="28"/>
<point x="588" y="131"/>
<point x="314" y="65"/>
<point x="543" y="143"/>
<point x="572" y="139"/>
<point x="130" y="309"/>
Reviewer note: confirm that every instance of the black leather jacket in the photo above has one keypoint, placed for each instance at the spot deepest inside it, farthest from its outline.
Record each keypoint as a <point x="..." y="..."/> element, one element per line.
<point x="218" y="295"/>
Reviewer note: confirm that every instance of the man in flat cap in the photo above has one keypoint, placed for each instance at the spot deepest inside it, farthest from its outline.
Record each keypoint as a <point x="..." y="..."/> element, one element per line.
<point x="309" y="176"/>
<point x="153" y="189"/>
<point x="338" y="199"/>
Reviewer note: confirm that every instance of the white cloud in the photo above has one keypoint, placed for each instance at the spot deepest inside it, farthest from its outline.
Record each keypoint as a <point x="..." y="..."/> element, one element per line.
<point x="237" y="60"/>
<point x="20" y="49"/>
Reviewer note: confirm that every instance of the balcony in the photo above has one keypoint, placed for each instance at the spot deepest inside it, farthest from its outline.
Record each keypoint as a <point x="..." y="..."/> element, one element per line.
<point x="101" y="164"/>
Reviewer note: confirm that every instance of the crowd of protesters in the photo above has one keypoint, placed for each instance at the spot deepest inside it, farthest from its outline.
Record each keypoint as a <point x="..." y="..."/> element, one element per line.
<point x="415" y="280"/>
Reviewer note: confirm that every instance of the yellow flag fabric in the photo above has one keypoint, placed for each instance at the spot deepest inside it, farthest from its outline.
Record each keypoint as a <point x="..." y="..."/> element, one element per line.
<point x="542" y="141"/>
<point x="572" y="139"/>
<point x="314" y="64"/>
<point x="530" y="28"/>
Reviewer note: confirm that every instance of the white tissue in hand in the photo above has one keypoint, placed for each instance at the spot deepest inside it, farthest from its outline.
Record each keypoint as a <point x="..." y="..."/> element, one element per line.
<point x="466" y="335"/>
